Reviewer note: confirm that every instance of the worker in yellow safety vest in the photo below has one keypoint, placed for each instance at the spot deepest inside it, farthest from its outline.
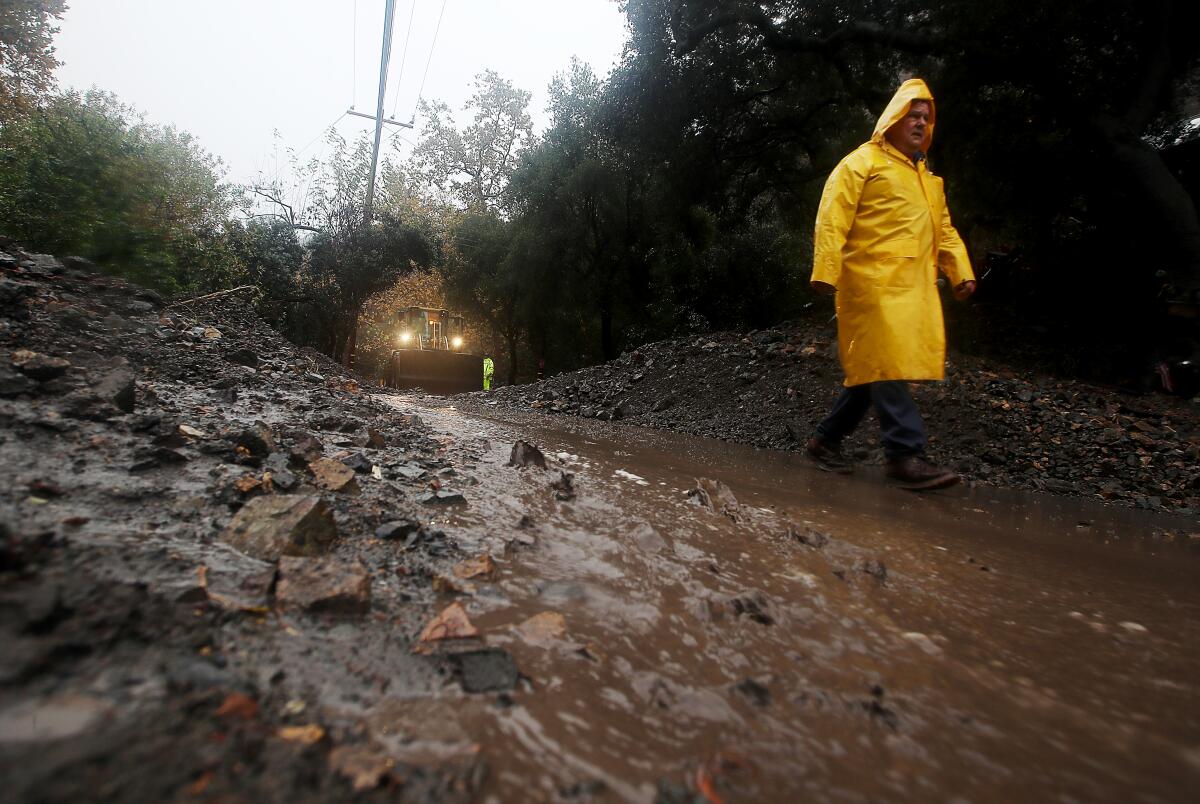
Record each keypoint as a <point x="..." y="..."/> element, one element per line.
<point x="488" y="370"/>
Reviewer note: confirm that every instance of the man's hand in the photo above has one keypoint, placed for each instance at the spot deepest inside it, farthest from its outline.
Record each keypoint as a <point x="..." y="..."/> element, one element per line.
<point x="824" y="288"/>
<point x="964" y="290"/>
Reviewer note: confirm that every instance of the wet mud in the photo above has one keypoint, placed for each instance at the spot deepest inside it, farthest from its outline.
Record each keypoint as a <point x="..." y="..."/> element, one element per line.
<point x="822" y="638"/>
<point x="228" y="572"/>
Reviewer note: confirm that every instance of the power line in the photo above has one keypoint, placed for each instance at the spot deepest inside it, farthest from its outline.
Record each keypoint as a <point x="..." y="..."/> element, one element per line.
<point x="404" y="57"/>
<point x="320" y="133"/>
<point x="428" y="61"/>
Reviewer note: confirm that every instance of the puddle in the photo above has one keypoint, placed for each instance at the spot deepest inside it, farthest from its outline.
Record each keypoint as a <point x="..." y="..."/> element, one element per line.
<point x="976" y="643"/>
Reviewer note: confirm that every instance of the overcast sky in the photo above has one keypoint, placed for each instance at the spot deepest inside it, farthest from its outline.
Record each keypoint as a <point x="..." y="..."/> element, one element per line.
<point x="232" y="72"/>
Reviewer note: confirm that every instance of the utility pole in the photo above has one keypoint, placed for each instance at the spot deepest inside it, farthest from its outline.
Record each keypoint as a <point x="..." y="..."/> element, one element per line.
<point x="389" y="13"/>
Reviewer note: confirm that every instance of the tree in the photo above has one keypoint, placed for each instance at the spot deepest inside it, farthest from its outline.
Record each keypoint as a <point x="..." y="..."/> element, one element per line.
<point x="88" y="176"/>
<point x="27" y="59"/>
<point x="471" y="168"/>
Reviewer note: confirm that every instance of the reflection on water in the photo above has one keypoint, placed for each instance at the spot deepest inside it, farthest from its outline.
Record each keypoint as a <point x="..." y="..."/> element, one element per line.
<point x="974" y="644"/>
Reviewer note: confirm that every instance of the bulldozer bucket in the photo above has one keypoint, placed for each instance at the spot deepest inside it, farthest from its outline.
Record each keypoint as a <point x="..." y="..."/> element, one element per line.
<point x="438" y="372"/>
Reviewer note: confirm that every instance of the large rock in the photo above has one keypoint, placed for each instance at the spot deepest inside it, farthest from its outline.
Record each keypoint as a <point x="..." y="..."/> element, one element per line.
<point x="118" y="389"/>
<point x="274" y="526"/>
<point x="526" y="454"/>
<point x="39" y="366"/>
<point x="333" y="475"/>
<point x="323" y="584"/>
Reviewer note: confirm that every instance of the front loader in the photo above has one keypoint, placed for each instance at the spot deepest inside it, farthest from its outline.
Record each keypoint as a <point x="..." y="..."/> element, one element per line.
<point x="430" y="353"/>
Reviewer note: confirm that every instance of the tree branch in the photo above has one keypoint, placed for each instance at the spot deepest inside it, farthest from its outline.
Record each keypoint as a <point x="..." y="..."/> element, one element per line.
<point x="861" y="32"/>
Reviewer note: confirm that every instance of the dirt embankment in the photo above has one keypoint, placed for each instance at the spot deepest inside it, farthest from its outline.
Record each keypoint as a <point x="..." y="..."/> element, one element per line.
<point x="214" y="549"/>
<point x="992" y="424"/>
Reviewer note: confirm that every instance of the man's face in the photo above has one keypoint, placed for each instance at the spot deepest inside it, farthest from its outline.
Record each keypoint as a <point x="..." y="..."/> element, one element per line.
<point x="908" y="134"/>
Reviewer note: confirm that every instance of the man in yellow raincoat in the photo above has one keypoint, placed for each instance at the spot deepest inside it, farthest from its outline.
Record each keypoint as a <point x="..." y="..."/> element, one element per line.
<point x="489" y="368"/>
<point x="883" y="232"/>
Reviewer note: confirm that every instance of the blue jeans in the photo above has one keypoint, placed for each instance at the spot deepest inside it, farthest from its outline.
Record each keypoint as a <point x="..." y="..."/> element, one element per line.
<point x="903" y="430"/>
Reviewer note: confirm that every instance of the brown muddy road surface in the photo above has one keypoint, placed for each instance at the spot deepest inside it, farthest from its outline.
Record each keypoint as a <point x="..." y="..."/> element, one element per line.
<point x="823" y="638"/>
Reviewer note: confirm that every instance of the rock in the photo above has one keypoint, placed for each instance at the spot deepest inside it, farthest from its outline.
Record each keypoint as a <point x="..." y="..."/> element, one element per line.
<point x="754" y="692"/>
<point x="543" y="629"/>
<point x="526" y="454"/>
<point x="397" y="529"/>
<point x="235" y="581"/>
<point x="305" y="448"/>
<point x="876" y="569"/>
<point x="564" y="487"/>
<point x="441" y="498"/>
<point x="647" y="539"/>
<point x="807" y="536"/>
<point x="358" y="463"/>
<point x="273" y="526"/>
<point x="39" y="366"/>
<point x="42" y="265"/>
<point x="479" y="567"/>
<point x="490" y="670"/>
<point x="118" y="389"/>
<point x="716" y="497"/>
<point x="369" y="438"/>
<point x="333" y="475"/>
<point x="755" y="606"/>
<point x="410" y="471"/>
<point x="242" y="357"/>
<point x="323" y="584"/>
<point x="149" y="458"/>
<point x="662" y="404"/>
<point x="258" y="440"/>
<point x="13" y="383"/>
<point x="451" y="623"/>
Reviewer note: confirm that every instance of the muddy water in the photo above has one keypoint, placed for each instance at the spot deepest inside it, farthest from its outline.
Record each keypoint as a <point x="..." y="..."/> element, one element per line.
<point x="971" y="645"/>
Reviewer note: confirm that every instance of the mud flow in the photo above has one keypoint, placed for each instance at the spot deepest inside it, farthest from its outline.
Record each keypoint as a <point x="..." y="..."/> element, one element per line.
<point x="788" y="635"/>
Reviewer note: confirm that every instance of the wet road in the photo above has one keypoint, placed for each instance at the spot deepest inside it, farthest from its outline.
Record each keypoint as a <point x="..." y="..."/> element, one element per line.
<point x="971" y="645"/>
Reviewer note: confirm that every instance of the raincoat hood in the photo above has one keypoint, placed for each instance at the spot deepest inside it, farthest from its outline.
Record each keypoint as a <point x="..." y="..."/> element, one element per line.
<point x="911" y="90"/>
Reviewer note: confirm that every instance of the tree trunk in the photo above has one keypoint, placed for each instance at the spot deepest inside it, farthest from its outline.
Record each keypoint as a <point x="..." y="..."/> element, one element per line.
<point x="512" y="357"/>
<point x="351" y="343"/>
<point x="1154" y="188"/>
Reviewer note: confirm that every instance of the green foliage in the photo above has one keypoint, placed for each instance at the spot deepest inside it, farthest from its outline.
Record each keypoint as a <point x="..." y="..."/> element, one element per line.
<point x="85" y="176"/>
<point x="27" y="59"/>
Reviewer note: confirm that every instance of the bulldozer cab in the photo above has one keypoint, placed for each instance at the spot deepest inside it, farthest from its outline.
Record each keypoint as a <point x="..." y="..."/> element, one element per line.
<point x="431" y="353"/>
<point x="425" y="328"/>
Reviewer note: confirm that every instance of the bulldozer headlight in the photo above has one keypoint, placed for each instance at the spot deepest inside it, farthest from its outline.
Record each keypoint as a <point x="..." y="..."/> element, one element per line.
<point x="456" y="343"/>
<point x="405" y="336"/>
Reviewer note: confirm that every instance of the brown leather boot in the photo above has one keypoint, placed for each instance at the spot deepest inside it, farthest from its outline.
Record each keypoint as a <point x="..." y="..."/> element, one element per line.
<point x="915" y="473"/>
<point x="826" y="457"/>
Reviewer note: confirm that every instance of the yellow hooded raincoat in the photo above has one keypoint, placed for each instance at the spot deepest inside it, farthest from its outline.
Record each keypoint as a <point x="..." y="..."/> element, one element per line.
<point x="883" y="230"/>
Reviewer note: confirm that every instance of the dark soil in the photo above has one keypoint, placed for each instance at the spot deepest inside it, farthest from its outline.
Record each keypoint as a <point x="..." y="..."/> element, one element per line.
<point x="144" y="659"/>
<point x="992" y="424"/>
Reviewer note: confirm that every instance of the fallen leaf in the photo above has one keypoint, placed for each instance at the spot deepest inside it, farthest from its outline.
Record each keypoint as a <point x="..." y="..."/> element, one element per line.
<point x="305" y="735"/>
<point x="452" y="623"/>
<point x="363" y="765"/>
<point x="247" y="483"/>
<point x="480" y="567"/>
<point x="201" y="784"/>
<point x="238" y="706"/>
<point x="542" y="629"/>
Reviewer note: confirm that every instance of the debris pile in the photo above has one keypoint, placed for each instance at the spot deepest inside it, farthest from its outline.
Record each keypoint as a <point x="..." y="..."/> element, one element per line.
<point x="997" y="426"/>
